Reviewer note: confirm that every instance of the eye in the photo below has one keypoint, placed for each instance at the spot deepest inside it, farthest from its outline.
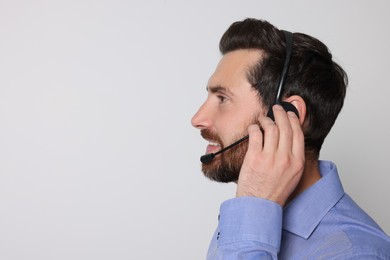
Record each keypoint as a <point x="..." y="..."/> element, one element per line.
<point x="222" y="99"/>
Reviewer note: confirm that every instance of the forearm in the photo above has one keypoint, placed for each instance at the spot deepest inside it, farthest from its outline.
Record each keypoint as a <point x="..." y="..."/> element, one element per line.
<point x="248" y="228"/>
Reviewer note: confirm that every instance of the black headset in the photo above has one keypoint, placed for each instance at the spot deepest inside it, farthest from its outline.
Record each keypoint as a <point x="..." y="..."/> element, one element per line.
<point x="278" y="100"/>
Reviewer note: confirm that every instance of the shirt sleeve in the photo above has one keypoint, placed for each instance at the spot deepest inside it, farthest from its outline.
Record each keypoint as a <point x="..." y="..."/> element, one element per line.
<point x="248" y="228"/>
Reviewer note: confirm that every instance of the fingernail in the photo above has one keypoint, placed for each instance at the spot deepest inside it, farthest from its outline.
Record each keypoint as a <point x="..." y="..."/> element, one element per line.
<point x="292" y="114"/>
<point x="278" y="107"/>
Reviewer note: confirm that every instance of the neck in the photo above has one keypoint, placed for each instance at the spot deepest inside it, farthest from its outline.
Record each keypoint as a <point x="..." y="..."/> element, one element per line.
<point x="311" y="175"/>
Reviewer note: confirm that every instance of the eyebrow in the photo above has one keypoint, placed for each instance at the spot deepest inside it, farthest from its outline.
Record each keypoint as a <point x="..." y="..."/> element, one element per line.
<point x="219" y="89"/>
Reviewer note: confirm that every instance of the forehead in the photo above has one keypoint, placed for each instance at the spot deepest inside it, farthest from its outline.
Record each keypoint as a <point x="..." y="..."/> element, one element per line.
<point x="233" y="67"/>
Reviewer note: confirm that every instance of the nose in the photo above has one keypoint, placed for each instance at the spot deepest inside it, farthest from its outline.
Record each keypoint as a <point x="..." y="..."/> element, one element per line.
<point x="202" y="118"/>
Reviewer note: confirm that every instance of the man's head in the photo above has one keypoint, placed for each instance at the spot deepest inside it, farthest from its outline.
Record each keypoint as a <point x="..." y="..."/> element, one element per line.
<point x="245" y="84"/>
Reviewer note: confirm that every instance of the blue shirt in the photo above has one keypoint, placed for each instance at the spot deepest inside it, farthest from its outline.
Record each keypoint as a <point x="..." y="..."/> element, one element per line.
<point x="321" y="223"/>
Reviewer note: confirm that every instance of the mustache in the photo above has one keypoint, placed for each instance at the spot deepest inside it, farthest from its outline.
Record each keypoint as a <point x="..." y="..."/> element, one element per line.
<point x="209" y="135"/>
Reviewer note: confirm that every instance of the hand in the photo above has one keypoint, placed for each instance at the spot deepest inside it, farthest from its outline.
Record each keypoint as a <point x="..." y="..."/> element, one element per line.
<point x="274" y="162"/>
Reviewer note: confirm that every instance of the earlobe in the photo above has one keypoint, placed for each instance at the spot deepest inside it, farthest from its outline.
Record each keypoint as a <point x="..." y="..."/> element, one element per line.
<point x="299" y="104"/>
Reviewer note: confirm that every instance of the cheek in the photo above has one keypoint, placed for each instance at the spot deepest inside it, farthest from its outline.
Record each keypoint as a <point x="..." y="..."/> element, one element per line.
<point x="233" y="131"/>
<point x="233" y="126"/>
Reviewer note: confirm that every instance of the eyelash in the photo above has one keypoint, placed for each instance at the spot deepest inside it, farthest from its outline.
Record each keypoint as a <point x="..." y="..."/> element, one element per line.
<point x="222" y="99"/>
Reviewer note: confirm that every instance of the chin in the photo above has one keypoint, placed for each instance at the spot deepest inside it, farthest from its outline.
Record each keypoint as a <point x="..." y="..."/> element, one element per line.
<point x="220" y="174"/>
<point x="226" y="167"/>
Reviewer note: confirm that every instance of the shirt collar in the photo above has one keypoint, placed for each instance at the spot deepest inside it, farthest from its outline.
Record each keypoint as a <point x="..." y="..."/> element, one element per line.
<point x="303" y="214"/>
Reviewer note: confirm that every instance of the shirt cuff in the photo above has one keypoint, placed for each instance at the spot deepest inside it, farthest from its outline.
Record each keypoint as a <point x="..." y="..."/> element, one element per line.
<point x="250" y="219"/>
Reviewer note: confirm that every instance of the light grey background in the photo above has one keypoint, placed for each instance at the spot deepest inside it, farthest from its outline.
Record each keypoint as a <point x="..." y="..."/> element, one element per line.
<point x="98" y="159"/>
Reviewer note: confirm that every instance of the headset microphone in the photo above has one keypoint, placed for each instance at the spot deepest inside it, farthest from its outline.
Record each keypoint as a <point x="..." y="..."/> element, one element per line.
<point x="209" y="157"/>
<point x="286" y="106"/>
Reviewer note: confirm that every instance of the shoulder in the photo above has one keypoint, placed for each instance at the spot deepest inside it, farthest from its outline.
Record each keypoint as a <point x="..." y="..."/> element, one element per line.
<point x="367" y="243"/>
<point x="346" y="240"/>
<point x="356" y="231"/>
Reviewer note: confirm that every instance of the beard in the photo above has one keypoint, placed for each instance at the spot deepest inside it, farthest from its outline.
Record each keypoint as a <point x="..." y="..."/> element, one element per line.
<point x="226" y="166"/>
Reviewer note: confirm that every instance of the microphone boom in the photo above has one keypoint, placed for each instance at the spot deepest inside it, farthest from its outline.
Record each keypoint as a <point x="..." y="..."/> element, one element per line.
<point x="207" y="158"/>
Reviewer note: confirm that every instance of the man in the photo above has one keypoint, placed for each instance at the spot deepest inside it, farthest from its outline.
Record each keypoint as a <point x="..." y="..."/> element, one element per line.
<point x="288" y="205"/>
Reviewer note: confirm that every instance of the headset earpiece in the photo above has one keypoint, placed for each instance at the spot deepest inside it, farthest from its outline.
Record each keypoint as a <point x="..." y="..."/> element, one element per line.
<point x="290" y="107"/>
<point x="286" y="106"/>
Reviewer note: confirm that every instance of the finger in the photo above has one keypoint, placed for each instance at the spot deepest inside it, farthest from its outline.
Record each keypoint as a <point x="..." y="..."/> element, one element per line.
<point x="255" y="139"/>
<point x="298" y="138"/>
<point x="285" y="130"/>
<point x="271" y="133"/>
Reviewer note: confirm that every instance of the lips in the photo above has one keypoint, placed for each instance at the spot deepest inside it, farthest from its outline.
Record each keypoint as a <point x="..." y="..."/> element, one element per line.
<point x="214" y="142"/>
<point x="213" y="147"/>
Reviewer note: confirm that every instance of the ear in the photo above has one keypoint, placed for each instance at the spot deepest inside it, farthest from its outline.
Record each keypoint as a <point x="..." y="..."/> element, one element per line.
<point x="299" y="104"/>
